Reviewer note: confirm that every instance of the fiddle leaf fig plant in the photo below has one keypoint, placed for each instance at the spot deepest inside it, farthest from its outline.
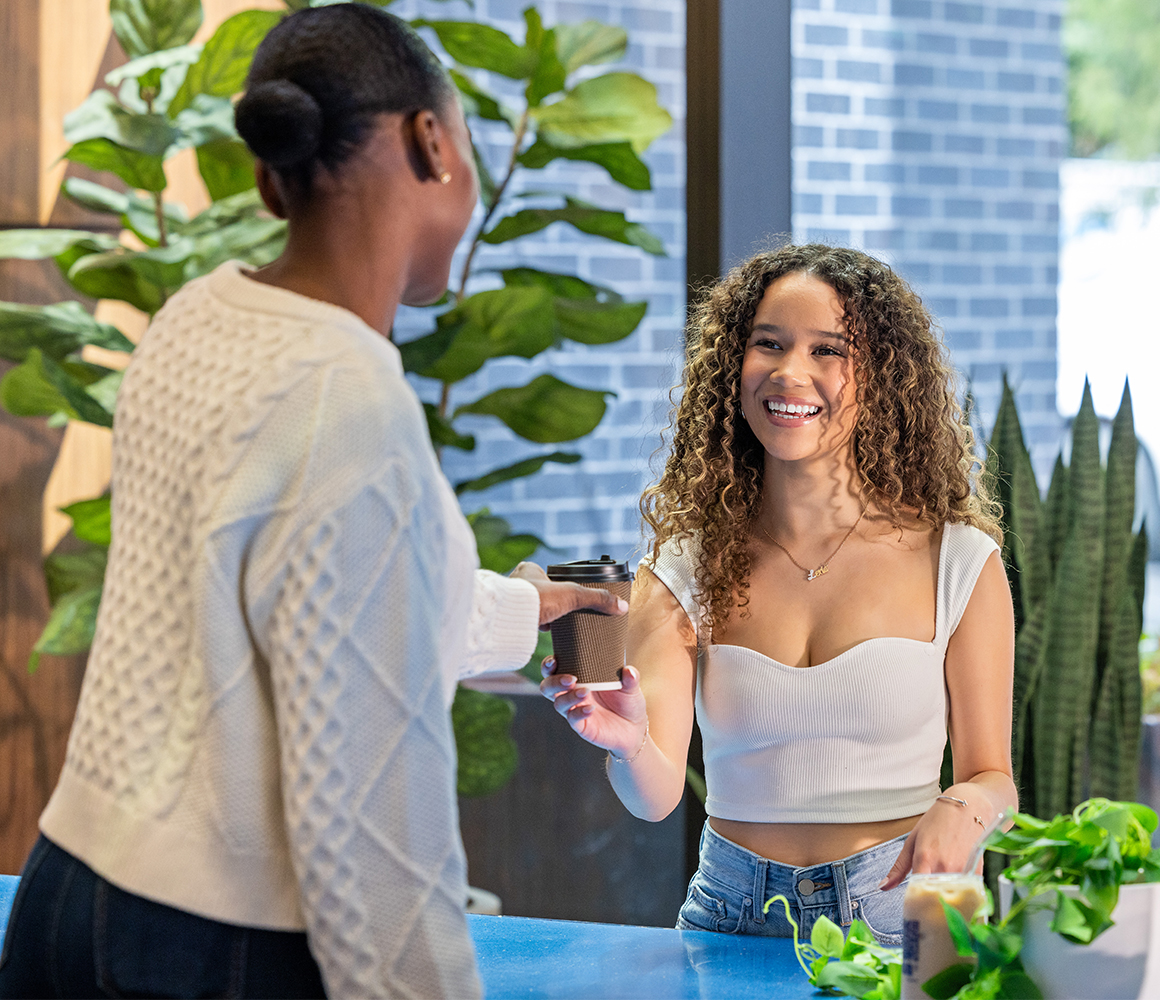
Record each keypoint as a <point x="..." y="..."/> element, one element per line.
<point x="174" y="94"/>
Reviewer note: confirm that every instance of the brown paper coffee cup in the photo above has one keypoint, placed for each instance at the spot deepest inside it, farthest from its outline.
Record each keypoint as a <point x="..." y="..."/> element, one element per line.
<point x="588" y="644"/>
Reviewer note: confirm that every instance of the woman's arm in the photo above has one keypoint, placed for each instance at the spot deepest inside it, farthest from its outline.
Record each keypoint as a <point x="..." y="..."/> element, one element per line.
<point x="979" y="673"/>
<point x="647" y="724"/>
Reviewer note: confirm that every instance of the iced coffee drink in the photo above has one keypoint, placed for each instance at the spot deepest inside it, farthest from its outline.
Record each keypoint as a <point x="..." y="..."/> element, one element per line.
<point x="927" y="947"/>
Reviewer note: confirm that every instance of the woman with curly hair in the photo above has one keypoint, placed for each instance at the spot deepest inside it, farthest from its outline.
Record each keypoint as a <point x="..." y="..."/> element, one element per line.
<point x="825" y="592"/>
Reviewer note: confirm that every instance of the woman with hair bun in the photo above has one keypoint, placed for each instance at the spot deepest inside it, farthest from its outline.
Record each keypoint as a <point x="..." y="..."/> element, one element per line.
<point x="825" y="594"/>
<point x="259" y="792"/>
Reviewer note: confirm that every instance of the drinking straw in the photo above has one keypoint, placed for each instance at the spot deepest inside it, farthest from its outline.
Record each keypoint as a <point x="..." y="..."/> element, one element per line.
<point x="977" y="853"/>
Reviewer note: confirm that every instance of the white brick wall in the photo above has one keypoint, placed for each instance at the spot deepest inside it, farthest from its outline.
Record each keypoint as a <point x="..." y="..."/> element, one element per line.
<point x="930" y="133"/>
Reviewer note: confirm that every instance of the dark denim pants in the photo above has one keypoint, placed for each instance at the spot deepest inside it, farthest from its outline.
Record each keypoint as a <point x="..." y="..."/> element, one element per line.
<point x="72" y="934"/>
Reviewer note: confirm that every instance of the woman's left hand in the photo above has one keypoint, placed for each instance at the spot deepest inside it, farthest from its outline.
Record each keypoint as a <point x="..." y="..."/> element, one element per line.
<point x="944" y="838"/>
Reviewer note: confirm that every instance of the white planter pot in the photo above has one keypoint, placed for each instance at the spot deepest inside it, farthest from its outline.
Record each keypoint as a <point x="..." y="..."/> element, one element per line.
<point x="1112" y="967"/>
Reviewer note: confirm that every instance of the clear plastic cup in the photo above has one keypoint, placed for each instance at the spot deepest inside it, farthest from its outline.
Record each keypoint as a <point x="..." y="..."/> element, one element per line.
<point x="927" y="947"/>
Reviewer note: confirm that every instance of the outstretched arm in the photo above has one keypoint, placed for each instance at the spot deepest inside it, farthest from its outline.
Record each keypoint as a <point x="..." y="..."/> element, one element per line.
<point x="646" y="726"/>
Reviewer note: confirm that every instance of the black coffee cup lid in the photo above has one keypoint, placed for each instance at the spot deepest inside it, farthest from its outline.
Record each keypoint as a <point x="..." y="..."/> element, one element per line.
<point x="605" y="569"/>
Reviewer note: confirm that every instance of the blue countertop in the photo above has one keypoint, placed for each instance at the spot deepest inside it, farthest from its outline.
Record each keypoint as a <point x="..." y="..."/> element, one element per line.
<point x="566" y="960"/>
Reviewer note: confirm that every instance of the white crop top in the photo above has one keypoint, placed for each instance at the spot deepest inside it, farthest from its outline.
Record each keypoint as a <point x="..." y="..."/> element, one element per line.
<point x="856" y="739"/>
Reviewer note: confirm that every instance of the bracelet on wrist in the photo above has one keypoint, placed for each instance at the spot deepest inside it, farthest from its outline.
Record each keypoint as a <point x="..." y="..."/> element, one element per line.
<point x="639" y="750"/>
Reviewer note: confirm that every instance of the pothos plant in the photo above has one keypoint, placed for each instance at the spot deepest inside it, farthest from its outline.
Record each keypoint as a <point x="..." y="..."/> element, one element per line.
<point x="173" y="95"/>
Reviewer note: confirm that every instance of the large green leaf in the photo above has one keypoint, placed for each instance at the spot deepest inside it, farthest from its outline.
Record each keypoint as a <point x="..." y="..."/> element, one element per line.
<point x="584" y="216"/>
<point x="144" y="26"/>
<point x="226" y="166"/>
<point x="92" y="519"/>
<point x="143" y="279"/>
<point x="589" y="43"/>
<point x="68" y="571"/>
<point x="221" y="69"/>
<point x="139" y="170"/>
<point x="40" y="386"/>
<point x="500" y="550"/>
<point x="487" y="755"/>
<point x="102" y="117"/>
<point x="1120" y="492"/>
<point x="586" y="313"/>
<point x="479" y="102"/>
<point x="148" y="69"/>
<point x="39" y="244"/>
<point x="618" y="158"/>
<point x="207" y="119"/>
<point x="71" y="625"/>
<point x="528" y="467"/>
<point x="56" y="330"/>
<point x="95" y="196"/>
<point x="608" y="108"/>
<point x="443" y="434"/>
<point x="483" y="47"/>
<point x="545" y="410"/>
<point x="549" y="75"/>
<point x="517" y="321"/>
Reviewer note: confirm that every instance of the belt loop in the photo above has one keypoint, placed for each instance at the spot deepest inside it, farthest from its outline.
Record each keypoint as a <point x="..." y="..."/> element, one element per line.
<point x="760" y="888"/>
<point x="842" y="892"/>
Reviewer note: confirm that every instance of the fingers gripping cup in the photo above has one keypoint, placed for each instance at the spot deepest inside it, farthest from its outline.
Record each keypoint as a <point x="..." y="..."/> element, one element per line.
<point x="588" y="644"/>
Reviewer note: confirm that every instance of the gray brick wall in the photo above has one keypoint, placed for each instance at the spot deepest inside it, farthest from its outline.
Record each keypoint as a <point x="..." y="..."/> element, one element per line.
<point x="930" y="134"/>
<point x="591" y="507"/>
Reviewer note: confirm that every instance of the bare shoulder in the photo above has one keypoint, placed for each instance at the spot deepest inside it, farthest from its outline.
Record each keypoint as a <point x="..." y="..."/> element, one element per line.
<point x="653" y="607"/>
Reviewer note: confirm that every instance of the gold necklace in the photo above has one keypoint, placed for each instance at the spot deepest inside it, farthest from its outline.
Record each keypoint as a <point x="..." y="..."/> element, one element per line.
<point x="813" y="574"/>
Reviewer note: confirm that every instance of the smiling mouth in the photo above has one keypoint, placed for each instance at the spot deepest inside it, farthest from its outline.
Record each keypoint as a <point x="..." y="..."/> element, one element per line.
<point x="792" y="411"/>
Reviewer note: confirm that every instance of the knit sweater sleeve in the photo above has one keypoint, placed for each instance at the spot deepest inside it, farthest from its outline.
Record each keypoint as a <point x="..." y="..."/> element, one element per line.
<point x="354" y="627"/>
<point x="501" y="633"/>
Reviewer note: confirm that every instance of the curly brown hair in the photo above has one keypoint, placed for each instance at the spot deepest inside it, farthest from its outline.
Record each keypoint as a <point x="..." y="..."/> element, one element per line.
<point x="913" y="448"/>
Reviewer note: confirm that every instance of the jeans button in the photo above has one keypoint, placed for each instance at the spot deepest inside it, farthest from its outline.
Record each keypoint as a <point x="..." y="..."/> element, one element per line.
<point x="806" y="886"/>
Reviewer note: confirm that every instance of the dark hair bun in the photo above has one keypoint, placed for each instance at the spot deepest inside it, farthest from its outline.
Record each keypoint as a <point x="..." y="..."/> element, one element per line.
<point x="281" y="123"/>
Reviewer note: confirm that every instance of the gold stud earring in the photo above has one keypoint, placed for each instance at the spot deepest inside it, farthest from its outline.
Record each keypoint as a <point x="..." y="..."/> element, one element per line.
<point x="445" y="178"/>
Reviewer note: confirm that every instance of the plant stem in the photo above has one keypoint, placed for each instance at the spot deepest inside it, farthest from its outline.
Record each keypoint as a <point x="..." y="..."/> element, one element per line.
<point x="521" y="130"/>
<point x="159" y="214"/>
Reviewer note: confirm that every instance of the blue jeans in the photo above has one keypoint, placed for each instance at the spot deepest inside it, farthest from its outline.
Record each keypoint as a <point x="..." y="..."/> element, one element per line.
<point x="730" y="888"/>
<point x="72" y="934"/>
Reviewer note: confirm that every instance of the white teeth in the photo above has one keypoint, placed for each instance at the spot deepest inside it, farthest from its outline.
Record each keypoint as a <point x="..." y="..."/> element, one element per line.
<point x="791" y="409"/>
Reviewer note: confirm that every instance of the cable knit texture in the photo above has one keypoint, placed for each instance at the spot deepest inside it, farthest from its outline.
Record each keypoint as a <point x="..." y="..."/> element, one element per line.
<point x="263" y="734"/>
<point x="856" y="739"/>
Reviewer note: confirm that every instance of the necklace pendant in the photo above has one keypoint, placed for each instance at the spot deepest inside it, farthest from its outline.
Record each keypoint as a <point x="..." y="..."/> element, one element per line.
<point x="813" y="574"/>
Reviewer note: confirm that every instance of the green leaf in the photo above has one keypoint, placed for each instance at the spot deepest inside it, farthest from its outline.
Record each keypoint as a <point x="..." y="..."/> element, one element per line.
<point x="95" y="196"/>
<point x="610" y="108"/>
<point x="585" y="217"/>
<point x="477" y="101"/>
<point x="500" y="550"/>
<point x="487" y="755"/>
<point x="443" y="434"/>
<point x="618" y="158"/>
<point x="139" y="170"/>
<point x="1077" y="921"/>
<point x="102" y="117"/>
<point x="144" y="26"/>
<point x="528" y="467"/>
<point x="221" y="69"/>
<point x="148" y="69"/>
<point x="39" y="244"/>
<point x="948" y="982"/>
<point x="848" y="977"/>
<point x="71" y="626"/>
<point x="586" y="313"/>
<point x="545" y="410"/>
<point x="488" y="189"/>
<point x="960" y="932"/>
<point x="226" y="166"/>
<point x="516" y="321"/>
<point x="826" y="936"/>
<point x="92" y="519"/>
<point x="589" y="43"/>
<point x="483" y="47"/>
<point x="68" y="571"/>
<point x="142" y="281"/>
<point x="1015" y="984"/>
<point x="41" y="387"/>
<point x="549" y="75"/>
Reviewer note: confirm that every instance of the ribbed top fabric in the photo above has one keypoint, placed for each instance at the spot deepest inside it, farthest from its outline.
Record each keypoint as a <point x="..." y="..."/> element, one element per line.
<point x="263" y="734"/>
<point x="856" y="739"/>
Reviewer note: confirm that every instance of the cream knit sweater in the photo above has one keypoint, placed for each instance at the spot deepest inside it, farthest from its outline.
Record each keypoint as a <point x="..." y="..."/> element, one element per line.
<point x="263" y="735"/>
